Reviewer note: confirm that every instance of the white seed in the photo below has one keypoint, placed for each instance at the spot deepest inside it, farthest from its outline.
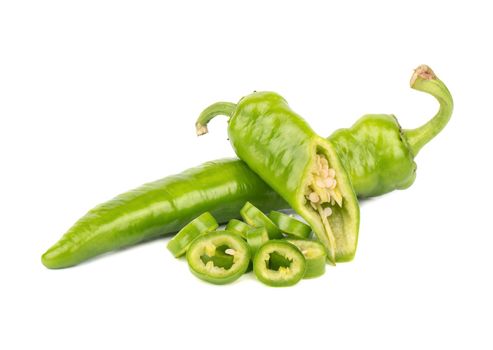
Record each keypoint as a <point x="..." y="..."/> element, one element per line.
<point x="331" y="172"/>
<point x="329" y="183"/>
<point x="314" y="206"/>
<point x="314" y="197"/>
<point x="230" y="251"/>
<point x="334" y="184"/>
<point x="324" y="173"/>
<point x="324" y="161"/>
<point x="320" y="183"/>
<point x="327" y="211"/>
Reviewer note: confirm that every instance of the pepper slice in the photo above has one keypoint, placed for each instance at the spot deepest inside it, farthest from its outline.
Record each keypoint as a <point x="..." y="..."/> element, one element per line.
<point x="256" y="237"/>
<point x="254" y="217"/>
<point x="315" y="256"/>
<point x="270" y="269"/>
<point x="290" y="225"/>
<point x="203" y="252"/>
<point x="238" y="226"/>
<point x="179" y="244"/>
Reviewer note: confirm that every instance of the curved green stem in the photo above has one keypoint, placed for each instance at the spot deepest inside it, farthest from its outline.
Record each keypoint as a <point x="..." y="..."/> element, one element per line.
<point x="425" y="80"/>
<point x="218" y="108"/>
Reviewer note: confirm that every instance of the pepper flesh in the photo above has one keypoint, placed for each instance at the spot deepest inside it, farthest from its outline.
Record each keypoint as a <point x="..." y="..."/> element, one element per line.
<point x="375" y="152"/>
<point x="286" y="153"/>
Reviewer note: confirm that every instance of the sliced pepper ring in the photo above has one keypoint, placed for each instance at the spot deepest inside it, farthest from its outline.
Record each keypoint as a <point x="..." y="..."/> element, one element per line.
<point x="204" y="251"/>
<point x="238" y="226"/>
<point x="178" y="245"/>
<point x="254" y="217"/>
<point x="256" y="237"/>
<point x="270" y="268"/>
<point x="290" y="225"/>
<point x="315" y="256"/>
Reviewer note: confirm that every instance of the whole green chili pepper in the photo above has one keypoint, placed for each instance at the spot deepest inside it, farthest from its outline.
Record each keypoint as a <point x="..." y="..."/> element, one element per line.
<point x="301" y="166"/>
<point x="220" y="187"/>
<point x="223" y="186"/>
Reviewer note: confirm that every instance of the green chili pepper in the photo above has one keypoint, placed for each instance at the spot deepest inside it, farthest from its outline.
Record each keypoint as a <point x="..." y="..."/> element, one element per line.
<point x="179" y="244"/>
<point x="238" y="226"/>
<point x="202" y="253"/>
<point x="256" y="237"/>
<point x="314" y="254"/>
<point x="276" y="275"/>
<point x="378" y="154"/>
<point x="290" y="225"/>
<point x="376" y="164"/>
<point x="298" y="164"/>
<point x="221" y="187"/>
<point x="254" y="217"/>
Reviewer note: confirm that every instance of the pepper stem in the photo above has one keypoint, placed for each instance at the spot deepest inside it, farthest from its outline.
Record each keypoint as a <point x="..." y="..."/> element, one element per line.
<point x="424" y="79"/>
<point x="218" y="108"/>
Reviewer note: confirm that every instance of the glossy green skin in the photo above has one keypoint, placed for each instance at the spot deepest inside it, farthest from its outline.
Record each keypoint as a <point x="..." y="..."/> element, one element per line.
<point x="221" y="187"/>
<point x="280" y="147"/>
<point x="376" y="155"/>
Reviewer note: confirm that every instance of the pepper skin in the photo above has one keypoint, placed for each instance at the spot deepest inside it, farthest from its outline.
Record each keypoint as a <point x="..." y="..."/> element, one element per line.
<point x="162" y="207"/>
<point x="304" y="168"/>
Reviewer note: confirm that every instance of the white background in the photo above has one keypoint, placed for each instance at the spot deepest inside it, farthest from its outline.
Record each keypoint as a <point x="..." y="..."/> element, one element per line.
<point x="98" y="97"/>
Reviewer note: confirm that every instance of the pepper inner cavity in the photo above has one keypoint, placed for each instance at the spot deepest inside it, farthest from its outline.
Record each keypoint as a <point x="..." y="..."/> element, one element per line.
<point x="218" y="257"/>
<point x="278" y="262"/>
<point x="322" y="193"/>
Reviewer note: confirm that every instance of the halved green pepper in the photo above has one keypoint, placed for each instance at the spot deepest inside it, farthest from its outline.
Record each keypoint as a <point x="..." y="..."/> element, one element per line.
<point x="302" y="167"/>
<point x="287" y="269"/>
<point x="203" y="252"/>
